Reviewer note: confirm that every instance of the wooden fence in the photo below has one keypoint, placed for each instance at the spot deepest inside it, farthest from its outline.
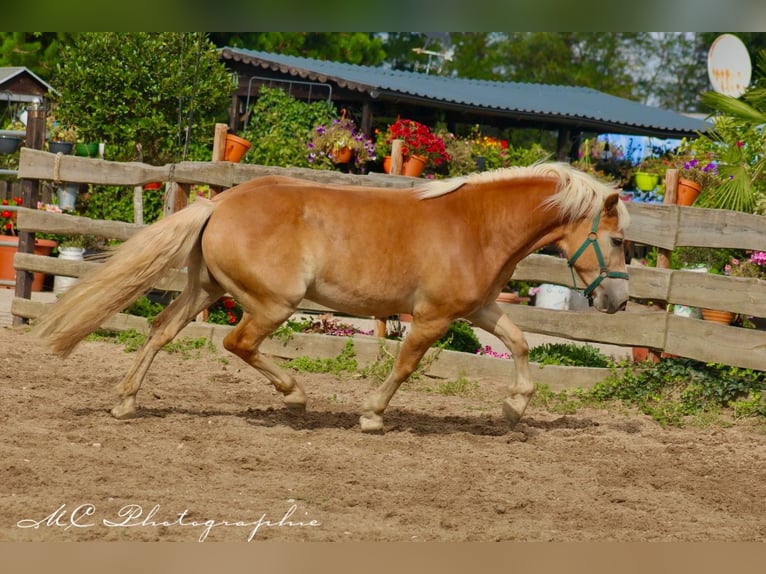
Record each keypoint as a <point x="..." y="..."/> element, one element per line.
<point x="663" y="226"/>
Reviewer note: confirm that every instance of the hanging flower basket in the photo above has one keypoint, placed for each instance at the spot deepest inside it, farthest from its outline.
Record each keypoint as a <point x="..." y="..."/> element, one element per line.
<point x="646" y="181"/>
<point x="60" y="147"/>
<point x="86" y="149"/>
<point x="9" y="145"/>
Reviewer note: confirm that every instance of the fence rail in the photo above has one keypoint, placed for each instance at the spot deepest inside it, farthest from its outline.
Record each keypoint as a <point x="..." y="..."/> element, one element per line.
<point x="664" y="226"/>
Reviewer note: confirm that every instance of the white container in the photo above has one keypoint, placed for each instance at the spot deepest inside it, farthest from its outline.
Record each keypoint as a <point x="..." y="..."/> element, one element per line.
<point x="60" y="282"/>
<point x="551" y="296"/>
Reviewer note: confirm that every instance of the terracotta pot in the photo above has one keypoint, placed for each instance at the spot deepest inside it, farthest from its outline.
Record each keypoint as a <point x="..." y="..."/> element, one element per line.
<point x="508" y="298"/>
<point x="723" y="317"/>
<point x="413" y="165"/>
<point x="235" y="149"/>
<point x="343" y="155"/>
<point x="641" y="354"/>
<point x="688" y="191"/>
<point x="9" y="246"/>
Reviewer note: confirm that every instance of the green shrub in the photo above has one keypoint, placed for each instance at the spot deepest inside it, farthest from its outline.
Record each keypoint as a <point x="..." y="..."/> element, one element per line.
<point x="279" y="128"/>
<point x="570" y="355"/>
<point x="675" y="388"/>
<point x="459" y="337"/>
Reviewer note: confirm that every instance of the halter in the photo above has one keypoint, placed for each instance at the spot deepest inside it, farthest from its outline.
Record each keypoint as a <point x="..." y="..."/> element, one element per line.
<point x="592" y="239"/>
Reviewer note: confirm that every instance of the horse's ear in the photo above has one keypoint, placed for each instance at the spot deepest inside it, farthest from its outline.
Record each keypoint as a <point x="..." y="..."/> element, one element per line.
<point x="610" y="204"/>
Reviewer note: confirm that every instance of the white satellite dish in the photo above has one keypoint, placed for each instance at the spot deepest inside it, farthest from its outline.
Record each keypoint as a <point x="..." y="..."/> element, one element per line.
<point x="728" y="66"/>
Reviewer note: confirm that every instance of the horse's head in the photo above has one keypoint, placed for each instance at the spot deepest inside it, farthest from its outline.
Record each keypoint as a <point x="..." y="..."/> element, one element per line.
<point x="594" y="248"/>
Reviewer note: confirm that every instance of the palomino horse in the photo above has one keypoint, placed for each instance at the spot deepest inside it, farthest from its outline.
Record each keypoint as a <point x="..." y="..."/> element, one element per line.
<point x="441" y="251"/>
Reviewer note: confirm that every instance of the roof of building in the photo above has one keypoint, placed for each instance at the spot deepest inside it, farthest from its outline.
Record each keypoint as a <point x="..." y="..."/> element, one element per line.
<point x="20" y="84"/>
<point x="581" y="108"/>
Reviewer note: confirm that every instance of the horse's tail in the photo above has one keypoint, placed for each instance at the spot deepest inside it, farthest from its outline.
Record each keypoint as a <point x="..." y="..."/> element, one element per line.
<point x="125" y="276"/>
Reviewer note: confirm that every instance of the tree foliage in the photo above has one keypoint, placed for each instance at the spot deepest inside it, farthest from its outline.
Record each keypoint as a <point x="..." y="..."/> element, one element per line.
<point x="143" y="88"/>
<point x="353" y="47"/>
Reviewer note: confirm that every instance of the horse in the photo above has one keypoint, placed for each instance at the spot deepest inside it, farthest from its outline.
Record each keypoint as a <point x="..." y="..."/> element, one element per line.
<point x="439" y="251"/>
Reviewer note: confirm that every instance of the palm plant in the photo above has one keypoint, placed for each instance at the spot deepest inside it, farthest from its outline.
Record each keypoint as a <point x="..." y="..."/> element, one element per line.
<point x="737" y="174"/>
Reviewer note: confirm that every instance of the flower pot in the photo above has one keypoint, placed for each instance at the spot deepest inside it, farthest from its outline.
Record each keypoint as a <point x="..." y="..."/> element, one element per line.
<point x="723" y="317"/>
<point x="9" y="144"/>
<point x="646" y="181"/>
<point x="86" y="149"/>
<point x="508" y="298"/>
<point x="413" y="165"/>
<point x="64" y="148"/>
<point x="152" y="186"/>
<point x="9" y="246"/>
<point x="67" y="196"/>
<point x="61" y="282"/>
<point x="235" y="149"/>
<point x="641" y="354"/>
<point x="688" y="191"/>
<point x="343" y="155"/>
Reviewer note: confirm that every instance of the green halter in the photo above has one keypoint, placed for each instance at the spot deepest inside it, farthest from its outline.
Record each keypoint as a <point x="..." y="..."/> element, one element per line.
<point x="592" y="239"/>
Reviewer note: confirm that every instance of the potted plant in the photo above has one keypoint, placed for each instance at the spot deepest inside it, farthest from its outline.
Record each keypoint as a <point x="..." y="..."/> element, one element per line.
<point x="694" y="177"/>
<point x="9" y="244"/>
<point x="420" y="144"/>
<point x="61" y="138"/>
<point x="10" y="143"/>
<point x="339" y="142"/>
<point x="754" y="267"/>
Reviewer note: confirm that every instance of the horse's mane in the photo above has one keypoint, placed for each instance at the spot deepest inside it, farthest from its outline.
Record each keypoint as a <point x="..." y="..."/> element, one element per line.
<point x="579" y="195"/>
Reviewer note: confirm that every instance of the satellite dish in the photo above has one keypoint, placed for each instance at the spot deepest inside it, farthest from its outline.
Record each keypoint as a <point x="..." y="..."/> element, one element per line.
<point x="728" y="66"/>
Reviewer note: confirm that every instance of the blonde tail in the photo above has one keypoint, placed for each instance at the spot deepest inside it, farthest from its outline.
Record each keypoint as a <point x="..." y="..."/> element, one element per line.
<point x="128" y="274"/>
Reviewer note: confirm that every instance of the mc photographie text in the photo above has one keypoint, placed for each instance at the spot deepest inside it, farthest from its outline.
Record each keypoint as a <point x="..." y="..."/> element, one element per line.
<point x="134" y="516"/>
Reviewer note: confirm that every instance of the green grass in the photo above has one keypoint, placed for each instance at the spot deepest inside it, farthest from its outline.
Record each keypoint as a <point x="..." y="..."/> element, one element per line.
<point x="132" y="340"/>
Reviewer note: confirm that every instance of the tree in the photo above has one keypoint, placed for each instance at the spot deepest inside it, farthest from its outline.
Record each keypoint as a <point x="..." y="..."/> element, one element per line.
<point x="360" y="48"/>
<point x="739" y="174"/>
<point x="143" y="88"/>
<point x="38" y="51"/>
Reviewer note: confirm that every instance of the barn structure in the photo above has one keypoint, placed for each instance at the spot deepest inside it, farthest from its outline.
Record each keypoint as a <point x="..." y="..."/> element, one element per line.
<point x="371" y="93"/>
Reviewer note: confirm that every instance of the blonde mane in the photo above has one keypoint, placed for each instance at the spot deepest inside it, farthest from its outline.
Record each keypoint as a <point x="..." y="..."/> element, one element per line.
<point x="579" y="194"/>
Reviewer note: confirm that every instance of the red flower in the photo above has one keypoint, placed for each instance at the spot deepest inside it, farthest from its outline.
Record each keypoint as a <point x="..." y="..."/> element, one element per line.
<point x="228" y="303"/>
<point x="7" y="213"/>
<point x="232" y="318"/>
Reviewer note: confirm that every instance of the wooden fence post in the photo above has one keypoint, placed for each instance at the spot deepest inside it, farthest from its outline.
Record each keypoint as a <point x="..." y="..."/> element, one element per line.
<point x="396" y="157"/>
<point x="219" y="151"/>
<point x="394" y="169"/>
<point x="30" y="196"/>
<point x="663" y="255"/>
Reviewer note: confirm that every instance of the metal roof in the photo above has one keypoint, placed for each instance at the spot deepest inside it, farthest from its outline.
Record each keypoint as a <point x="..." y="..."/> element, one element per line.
<point x="581" y="108"/>
<point x="10" y="74"/>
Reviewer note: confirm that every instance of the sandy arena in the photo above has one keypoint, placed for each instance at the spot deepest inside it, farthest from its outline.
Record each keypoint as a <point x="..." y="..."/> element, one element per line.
<point x="215" y="457"/>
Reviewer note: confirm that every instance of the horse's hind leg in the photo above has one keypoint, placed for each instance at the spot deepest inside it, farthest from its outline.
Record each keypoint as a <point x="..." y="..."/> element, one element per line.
<point x="244" y="341"/>
<point x="164" y="328"/>
<point x="492" y="319"/>
<point x="415" y="344"/>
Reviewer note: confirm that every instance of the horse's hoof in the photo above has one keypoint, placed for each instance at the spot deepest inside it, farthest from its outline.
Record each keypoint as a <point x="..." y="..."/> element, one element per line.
<point x="512" y="413"/>
<point x="371" y="424"/>
<point x="125" y="409"/>
<point x="296" y="408"/>
<point x="122" y="413"/>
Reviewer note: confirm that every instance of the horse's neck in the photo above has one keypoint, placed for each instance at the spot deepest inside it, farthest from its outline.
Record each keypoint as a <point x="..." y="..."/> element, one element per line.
<point x="521" y="220"/>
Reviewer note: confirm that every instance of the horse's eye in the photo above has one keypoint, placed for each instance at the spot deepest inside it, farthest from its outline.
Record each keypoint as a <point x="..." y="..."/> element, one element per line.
<point x="617" y="241"/>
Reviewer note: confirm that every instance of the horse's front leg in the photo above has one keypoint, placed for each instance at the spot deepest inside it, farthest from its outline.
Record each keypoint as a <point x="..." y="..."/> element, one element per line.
<point x="492" y="319"/>
<point x="420" y="338"/>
